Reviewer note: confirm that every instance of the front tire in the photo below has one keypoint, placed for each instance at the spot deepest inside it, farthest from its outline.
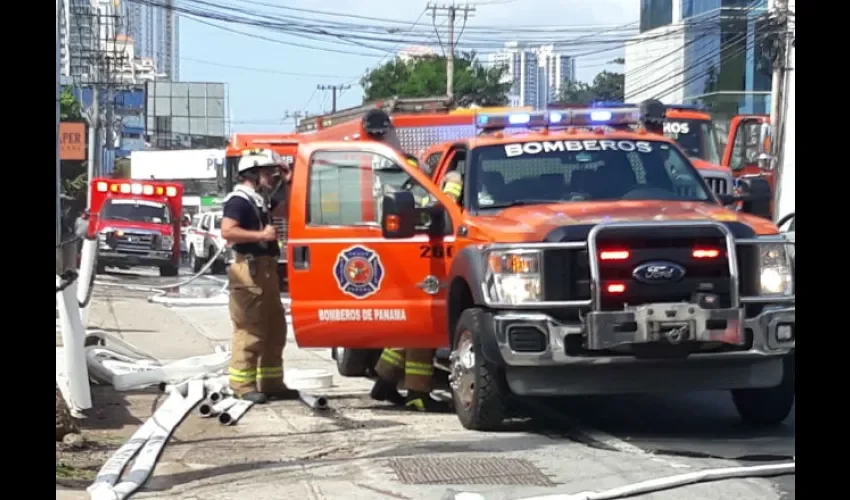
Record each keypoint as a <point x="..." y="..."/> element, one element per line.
<point x="194" y="262"/>
<point x="479" y="391"/>
<point x="768" y="407"/>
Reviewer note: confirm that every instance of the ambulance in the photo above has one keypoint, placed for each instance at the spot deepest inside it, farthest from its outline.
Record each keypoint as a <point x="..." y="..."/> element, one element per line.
<point x="136" y="223"/>
<point x="586" y="256"/>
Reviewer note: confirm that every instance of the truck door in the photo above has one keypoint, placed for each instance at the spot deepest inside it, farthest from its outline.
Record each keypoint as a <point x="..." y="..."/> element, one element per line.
<point x="742" y="147"/>
<point x="351" y="287"/>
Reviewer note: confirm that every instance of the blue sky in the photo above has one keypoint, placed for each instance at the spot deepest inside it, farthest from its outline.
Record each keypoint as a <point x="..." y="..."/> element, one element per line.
<point x="261" y="94"/>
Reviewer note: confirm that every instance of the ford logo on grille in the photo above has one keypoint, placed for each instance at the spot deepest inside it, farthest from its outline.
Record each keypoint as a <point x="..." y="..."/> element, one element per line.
<point x="659" y="272"/>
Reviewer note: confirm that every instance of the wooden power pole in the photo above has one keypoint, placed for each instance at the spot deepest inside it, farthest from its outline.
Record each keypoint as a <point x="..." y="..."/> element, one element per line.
<point x="450" y="11"/>
<point x="334" y="89"/>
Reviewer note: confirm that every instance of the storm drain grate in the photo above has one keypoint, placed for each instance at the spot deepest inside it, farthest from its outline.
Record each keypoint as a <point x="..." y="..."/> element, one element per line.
<point x="468" y="470"/>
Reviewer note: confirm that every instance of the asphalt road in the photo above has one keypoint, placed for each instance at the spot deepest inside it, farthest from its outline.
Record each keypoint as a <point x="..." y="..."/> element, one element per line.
<point x="699" y="425"/>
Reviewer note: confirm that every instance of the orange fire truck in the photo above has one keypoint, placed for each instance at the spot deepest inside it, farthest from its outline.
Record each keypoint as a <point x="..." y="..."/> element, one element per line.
<point x="583" y="258"/>
<point x="136" y="223"/>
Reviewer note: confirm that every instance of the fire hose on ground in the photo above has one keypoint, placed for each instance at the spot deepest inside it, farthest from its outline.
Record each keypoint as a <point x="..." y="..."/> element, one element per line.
<point x="655" y="485"/>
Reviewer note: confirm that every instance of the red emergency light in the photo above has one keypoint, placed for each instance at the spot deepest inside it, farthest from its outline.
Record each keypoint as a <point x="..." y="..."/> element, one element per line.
<point x="705" y="253"/>
<point x="614" y="255"/>
<point x="136" y="188"/>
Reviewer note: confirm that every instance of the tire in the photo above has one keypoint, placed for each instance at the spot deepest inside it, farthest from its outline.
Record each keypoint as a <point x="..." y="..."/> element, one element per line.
<point x="768" y="407"/>
<point x="479" y="393"/>
<point x="168" y="270"/>
<point x="194" y="262"/>
<point x="100" y="269"/>
<point x="355" y="362"/>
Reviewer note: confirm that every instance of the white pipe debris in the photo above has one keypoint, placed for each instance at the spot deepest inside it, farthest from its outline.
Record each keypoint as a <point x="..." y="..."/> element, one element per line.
<point x="73" y="373"/>
<point x="235" y="412"/>
<point x="145" y="446"/>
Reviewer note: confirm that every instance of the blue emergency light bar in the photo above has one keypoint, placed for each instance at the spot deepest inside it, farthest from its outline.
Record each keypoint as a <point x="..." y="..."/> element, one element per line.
<point x="582" y="117"/>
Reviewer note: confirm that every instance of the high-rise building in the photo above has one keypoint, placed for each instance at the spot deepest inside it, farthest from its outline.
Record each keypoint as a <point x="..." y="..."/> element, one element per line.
<point x="701" y="52"/>
<point x="156" y="32"/>
<point x="555" y="69"/>
<point x="522" y="73"/>
<point x="77" y="39"/>
<point x="536" y="73"/>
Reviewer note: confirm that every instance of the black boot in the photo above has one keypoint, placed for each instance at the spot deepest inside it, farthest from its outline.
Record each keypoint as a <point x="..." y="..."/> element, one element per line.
<point x="256" y="397"/>
<point x="284" y="394"/>
<point x="422" y="401"/>
<point x="386" y="391"/>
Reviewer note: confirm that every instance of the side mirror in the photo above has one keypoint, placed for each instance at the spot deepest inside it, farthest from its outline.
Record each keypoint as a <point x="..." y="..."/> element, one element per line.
<point x="398" y="215"/>
<point x="765" y="160"/>
<point x="756" y="196"/>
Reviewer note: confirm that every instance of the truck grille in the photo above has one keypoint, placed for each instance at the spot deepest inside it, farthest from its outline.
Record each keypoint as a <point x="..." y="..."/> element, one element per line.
<point x="719" y="185"/>
<point x="669" y="244"/>
<point x="134" y="242"/>
<point x="663" y="244"/>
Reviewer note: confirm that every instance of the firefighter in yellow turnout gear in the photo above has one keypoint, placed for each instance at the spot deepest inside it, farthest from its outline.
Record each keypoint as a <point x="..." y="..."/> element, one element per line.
<point x="415" y="367"/>
<point x="259" y="320"/>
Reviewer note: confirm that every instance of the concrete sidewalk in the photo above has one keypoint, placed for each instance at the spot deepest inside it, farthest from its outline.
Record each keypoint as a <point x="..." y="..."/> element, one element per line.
<point x="359" y="449"/>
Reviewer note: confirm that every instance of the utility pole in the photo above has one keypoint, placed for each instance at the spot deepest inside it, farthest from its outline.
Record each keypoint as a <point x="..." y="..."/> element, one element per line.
<point x="58" y="150"/>
<point x="778" y="13"/>
<point x="334" y="89"/>
<point x="451" y="12"/>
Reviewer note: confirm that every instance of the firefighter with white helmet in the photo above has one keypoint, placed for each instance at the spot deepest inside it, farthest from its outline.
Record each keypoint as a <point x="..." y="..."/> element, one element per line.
<point x="259" y="319"/>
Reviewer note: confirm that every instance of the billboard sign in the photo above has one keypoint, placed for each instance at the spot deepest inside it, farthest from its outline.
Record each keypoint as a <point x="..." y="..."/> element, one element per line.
<point x="72" y="141"/>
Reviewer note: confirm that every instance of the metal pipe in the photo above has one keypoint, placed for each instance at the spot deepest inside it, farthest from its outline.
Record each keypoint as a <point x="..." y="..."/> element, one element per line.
<point x="314" y="402"/>
<point x="235" y="412"/>
<point x="73" y="345"/>
<point x="215" y="397"/>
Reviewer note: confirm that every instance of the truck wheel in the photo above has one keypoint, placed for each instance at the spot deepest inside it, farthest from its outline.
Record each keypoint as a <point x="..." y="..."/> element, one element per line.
<point x="194" y="262"/>
<point x="478" y="388"/>
<point x="770" y="406"/>
<point x="168" y="270"/>
<point x="100" y="269"/>
<point x="355" y="362"/>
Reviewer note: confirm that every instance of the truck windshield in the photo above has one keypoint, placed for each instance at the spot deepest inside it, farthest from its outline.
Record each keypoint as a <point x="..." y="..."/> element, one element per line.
<point x="698" y="138"/>
<point x="583" y="170"/>
<point x="137" y="211"/>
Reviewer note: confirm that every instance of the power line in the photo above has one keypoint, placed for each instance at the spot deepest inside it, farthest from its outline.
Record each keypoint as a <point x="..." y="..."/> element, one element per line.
<point x="261" y="70"/>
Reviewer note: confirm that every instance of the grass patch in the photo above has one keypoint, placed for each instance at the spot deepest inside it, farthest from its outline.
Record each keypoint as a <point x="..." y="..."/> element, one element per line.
<point x="64" y="471"/>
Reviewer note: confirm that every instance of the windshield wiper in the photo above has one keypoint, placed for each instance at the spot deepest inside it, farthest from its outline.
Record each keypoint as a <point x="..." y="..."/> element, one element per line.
<point x="519" y="203"/>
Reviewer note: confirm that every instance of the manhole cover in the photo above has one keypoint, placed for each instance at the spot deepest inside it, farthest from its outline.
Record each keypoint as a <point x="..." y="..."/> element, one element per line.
<point x="468" y="470"/>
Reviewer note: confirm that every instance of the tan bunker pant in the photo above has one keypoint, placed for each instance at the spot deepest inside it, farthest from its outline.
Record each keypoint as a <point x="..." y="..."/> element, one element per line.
<point x="414" y="366"/>
<point x="259" y="326"/>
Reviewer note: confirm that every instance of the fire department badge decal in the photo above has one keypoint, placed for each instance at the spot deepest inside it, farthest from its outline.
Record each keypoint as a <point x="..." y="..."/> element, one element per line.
<point x="358" y="272"/>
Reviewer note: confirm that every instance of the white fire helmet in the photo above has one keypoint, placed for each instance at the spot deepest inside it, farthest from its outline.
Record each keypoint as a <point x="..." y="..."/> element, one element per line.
<point x="255" y="158"/>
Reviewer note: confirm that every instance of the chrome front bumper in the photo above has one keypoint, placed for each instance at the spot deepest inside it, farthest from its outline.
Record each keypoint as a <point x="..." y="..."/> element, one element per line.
<point x="772" y="333"/>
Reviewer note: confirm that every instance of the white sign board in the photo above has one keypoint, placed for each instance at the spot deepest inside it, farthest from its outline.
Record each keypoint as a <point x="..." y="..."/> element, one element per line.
<point x="176" y="165"/>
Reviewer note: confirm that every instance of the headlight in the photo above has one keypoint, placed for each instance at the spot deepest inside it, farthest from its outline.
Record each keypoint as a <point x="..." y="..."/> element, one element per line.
<point x="775" y="271"/>
<point x="167" y="242"/>
<point x="514" y="276"/>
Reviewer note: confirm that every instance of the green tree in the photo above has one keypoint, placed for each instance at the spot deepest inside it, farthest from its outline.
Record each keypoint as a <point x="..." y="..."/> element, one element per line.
<point x="606" y="86"/>
<point x="609" y="86"/>
<point x="69" y="107"/>
<point x="426" y="77"/>
<point x="575" y="93"/>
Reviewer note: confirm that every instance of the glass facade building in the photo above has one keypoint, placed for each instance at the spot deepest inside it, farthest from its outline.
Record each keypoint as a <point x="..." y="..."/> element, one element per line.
<point x="728" y="72"/>
<point x="725" y="68"/>
<point x="186" y="115"/>
<point x="655" y="14"/>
